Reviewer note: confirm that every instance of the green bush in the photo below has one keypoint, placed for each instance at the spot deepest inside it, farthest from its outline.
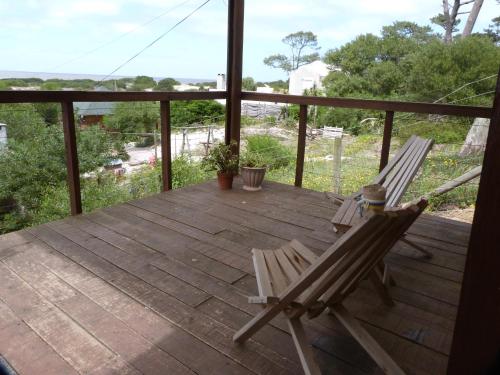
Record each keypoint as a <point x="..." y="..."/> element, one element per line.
<point x="273" y="153"/>
<point x="441" y="131"/>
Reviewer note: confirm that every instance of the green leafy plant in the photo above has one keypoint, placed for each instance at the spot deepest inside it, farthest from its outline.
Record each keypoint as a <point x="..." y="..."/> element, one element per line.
<point x="221" y="158"/>
<point x="269" y="148"/>
<point x="252" y="160"/>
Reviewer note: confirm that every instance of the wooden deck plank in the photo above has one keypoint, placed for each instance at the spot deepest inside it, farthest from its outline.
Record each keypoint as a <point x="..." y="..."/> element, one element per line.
<point x="80" y="349"/>
<point x="147" y="323"/>
<point x="24" y="349"/>
<point x="254" y="357"/>
<point x="144" y="356"/>
<point x="162" y="283"/>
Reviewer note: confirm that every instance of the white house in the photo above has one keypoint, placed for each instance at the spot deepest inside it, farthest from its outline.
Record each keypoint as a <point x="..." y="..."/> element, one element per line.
<point x="307" y="76"/>
<point x="3" y="135"/>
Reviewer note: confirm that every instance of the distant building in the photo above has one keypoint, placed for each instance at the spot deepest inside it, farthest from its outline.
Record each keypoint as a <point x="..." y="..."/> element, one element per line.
<point x="221" y="82"/>
<point x="92" y="113"/>
<point x="307" y="76"/>
<point x="3" y="135"/>
<point x="266" y="89"/>
<point x="185" y="87"/>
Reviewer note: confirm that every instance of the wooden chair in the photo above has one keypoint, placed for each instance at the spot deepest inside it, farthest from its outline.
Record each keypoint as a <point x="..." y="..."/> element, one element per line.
<point x="399" y="172"/>
<point x="346" y="216"/>
<point x="293" y="280"/>
<point x="395" y="177"/>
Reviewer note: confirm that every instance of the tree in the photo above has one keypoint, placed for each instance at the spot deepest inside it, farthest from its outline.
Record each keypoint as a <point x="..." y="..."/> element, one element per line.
<point x="186" y="113"/>
<point x="166" y="84"/>
<point x="143" y="82"/>
<point x="34" y="164"/>
<point x="471" y="20"/>
<point x="49" y="112"/>
<point x="298" y="42"/>
<point x="450" y="66"/>
<point x="449" y="20"/>
<point x="248" y="84"/>
<point x="493" y="30"/>
<point x="354" y="57"/>
<point x="133" y="117"/>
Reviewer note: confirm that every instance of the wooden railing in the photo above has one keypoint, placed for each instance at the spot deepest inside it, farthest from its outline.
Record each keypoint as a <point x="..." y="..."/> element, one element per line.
<point x="67" y="98"/>
<point x="390" y="107"/>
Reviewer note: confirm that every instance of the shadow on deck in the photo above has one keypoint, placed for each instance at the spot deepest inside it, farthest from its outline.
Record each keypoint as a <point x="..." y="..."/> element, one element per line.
<point x="159" y="286"/>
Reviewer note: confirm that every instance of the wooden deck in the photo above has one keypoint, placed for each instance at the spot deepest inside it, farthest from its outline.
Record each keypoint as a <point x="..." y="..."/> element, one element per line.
<point x="159" y="286"/>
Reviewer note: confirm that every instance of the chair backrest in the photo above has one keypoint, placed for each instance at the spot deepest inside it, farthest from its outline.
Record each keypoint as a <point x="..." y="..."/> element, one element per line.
<point x="402" y="168"/>
<point x="356" y="253"/>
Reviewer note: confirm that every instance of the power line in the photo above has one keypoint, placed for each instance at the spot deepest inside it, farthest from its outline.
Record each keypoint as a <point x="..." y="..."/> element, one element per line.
<point x="154" y="41"/>
<point x="463" y="86"/>
<point x="84" y="54"/>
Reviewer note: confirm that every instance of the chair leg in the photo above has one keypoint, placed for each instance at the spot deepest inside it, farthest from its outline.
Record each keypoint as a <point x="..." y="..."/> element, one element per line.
<point x="427" y="254"/>
<point x="257" y="322"/>
<point x="304" y="350"/>
<point x="387" y="278"/>
<point x="379" y="355"/>
<point x="380" y="288"/>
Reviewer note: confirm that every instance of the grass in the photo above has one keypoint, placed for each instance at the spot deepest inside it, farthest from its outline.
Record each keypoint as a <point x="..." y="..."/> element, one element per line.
<point x="360" y="165"/>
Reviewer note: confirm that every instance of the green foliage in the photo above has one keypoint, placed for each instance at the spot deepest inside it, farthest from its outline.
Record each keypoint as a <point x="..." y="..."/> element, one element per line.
<point x="249" y="84"/>
<point x="186" y="172"/>
<point x="185" y="113"/>
<point x="49" y="112"/>
<point x="34" y="165"/>
<point x="221" y="158"/>
<point x="133" y="117"/>
<point x="270" y="150"/>
<point x="410" y="62"/>
<point x="166" y="84"/>
<point x="21" y="119"/>
<point x="298" y="42"/>
<point x="446" y="66"/>
<point x="252" y="160"/>
<point x="443" y="132"/>
<point x="143" y="82"/>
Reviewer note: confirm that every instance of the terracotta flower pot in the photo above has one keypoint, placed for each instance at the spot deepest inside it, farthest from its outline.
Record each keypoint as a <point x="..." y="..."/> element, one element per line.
<point x="225" y="180"/>
<point x="252" y="178"/>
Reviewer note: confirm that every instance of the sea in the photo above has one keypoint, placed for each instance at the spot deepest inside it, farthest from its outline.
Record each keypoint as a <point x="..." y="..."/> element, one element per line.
<point x="95" y="77"/>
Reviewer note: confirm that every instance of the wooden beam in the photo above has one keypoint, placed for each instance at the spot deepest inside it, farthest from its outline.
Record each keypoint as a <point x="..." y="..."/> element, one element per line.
<point x="166" y="151"/>
<point x="73" y="171"/>
<point x="301" y="146"/>
<point x="386" y="141"/>
<point x="379" y="105"/>
<point x="237" y="13"/>
<point x="104" y="96"/>
<point x="476" y="341"/>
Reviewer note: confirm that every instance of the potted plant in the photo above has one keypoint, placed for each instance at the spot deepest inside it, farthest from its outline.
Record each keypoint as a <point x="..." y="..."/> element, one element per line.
<point x="253" y="170"/>
<point x="221" y="158"/>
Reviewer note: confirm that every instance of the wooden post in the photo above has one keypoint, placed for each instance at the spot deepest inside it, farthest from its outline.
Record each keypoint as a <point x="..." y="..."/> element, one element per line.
<point x="301" y="146"/>
<point x="229" y="64"/>
<point x="236" y="69"/>
<point x="386" y="141"/>
<point x="166" y="152"/>
<point x="73" y="175"/>
<point x="337" y="164"/>
<point x="476" y="340"/>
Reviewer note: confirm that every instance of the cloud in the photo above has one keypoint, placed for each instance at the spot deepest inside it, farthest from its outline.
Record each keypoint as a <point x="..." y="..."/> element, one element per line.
<point x="125" y="27"/>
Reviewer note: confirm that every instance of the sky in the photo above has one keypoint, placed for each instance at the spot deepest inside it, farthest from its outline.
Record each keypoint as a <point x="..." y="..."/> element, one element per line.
<point x="97" y="36"/>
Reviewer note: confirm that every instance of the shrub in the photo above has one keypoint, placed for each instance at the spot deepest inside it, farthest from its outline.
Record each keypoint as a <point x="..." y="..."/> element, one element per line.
<point x="273" y="153"/>
<point x="441" y="131"/>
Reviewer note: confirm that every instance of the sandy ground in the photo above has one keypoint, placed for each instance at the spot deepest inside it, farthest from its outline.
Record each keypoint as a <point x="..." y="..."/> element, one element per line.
<point x="466" y="215"/>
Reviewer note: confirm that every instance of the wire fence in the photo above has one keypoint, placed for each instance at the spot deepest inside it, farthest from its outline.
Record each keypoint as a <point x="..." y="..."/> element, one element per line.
<point x="130" y="167"/>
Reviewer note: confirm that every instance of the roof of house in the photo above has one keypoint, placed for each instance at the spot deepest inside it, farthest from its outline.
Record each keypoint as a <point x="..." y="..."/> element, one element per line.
<point x="95" y="108"/>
